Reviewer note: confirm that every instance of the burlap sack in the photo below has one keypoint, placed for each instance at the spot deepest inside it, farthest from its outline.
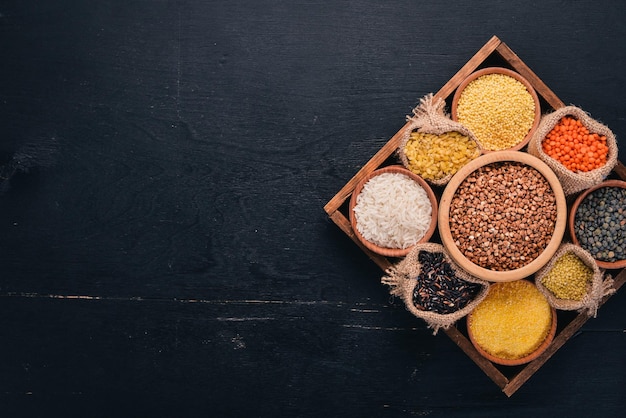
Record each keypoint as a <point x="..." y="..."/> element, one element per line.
<point x="402" y="279"/>
<point x="597" y="289"/>
<point x="430" y="117"/>
<point x="573" y="182"/>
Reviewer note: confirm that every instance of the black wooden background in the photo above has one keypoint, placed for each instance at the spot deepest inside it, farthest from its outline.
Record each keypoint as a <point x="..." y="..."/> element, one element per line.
<point x="165" y="163"/>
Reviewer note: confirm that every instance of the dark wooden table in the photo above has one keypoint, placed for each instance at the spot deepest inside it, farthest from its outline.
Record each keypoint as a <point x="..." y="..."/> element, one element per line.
<point x="164" y="168"/>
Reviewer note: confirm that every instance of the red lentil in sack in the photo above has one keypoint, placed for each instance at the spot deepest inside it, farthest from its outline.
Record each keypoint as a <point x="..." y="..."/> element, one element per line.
<point x="574" y="179"/>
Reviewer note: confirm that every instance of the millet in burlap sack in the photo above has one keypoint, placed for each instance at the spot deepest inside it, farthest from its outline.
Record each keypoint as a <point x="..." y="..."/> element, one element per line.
<point x="596" y="290"/>
<point x="574" y="182"/>
<point x="402" y="280"/>
<point x="430" y="117"/>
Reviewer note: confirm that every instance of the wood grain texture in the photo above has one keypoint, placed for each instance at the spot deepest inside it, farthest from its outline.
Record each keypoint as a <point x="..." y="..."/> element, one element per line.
<point x="177" y="260"/>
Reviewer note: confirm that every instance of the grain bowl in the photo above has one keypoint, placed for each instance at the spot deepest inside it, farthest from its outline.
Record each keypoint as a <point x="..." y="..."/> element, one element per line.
<point x="391" y="210"/>
<point x="499" y="106"/>
<point x="597" y="222"/>
<point x="502" y="216"/>
<point x="514" y="324"/>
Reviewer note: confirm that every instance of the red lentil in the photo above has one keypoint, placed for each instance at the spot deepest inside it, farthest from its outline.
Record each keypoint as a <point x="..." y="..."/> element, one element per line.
<point x="571" y="144"/>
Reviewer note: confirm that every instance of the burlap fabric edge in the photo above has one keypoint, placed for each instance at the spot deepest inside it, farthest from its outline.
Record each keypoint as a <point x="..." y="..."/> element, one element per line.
<point x="401" y="279"/>
<point x="430" y="117"/>
<point x="600" y="285"/>
<point x="570" y="181"/>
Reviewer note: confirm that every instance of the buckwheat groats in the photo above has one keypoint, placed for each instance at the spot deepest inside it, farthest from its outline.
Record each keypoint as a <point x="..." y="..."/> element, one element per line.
<point x="503" y="215"/>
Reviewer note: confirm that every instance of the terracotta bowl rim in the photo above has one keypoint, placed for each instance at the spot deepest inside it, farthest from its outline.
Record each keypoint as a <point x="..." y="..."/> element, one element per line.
<point x="506" y="71"/>
<point x="393" y="252"/>
<point x="610" y="265"/>
<point x="522" y="360"/>
<point x="543" y="258"/>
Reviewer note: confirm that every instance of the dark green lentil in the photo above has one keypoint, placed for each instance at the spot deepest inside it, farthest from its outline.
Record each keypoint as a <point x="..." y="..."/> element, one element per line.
<point x="438" y="289"/>
<point x="600" y="224"/>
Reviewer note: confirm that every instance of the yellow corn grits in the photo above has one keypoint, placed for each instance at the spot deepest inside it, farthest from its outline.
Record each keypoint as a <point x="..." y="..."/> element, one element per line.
<point x="512" y="321"/>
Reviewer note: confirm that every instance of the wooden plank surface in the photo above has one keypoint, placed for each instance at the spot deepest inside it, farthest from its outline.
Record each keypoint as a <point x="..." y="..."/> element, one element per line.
<point x="165" y="246"/>
<point x="479" y="59"/>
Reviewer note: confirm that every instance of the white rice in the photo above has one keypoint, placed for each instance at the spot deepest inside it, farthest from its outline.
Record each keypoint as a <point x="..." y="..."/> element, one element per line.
<point x="392" y="211"/>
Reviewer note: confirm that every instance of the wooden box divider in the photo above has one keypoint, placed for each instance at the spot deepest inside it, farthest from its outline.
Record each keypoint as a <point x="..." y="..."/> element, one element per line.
<point x="509" y="381"/>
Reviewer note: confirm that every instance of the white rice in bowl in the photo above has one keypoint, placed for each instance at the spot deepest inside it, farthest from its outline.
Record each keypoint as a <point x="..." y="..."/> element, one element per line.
<point x="393" y="211"/>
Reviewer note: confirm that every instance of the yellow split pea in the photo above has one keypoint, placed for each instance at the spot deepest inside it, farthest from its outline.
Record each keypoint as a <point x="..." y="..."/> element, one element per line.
<point x="434" y="157"/>
<point x="498" y="109"/>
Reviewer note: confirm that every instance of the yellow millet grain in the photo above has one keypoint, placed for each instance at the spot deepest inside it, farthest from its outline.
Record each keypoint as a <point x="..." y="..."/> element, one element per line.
<point x="434" y="157"/>
<point x="512" y="321"/>
<point x="569" y="278"/>
<point x="497" y="109"/>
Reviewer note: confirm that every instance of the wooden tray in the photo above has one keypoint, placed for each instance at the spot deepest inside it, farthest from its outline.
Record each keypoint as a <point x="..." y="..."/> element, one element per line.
<point x="493" y="53"/>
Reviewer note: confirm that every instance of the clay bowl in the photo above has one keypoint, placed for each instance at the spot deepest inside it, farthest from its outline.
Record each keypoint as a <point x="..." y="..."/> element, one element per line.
<point x="444" y="217"/>
<point x="522" y="360"/>
<point x="572" y="214"/>
<point x="393" y="252"/>
<point x="510" y="73"/>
